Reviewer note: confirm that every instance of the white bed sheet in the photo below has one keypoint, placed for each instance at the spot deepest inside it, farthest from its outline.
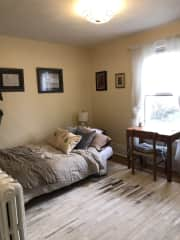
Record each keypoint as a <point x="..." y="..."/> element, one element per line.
<point x="106" y="153"/>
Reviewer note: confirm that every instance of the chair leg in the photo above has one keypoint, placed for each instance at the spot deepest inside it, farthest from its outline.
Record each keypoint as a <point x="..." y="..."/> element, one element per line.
<point x="165" y="166"/>
<point x="154" y="169"/>
<point x="132" y="164"/>
<point x="129" y="162"/>
<point x="141" y="162"/>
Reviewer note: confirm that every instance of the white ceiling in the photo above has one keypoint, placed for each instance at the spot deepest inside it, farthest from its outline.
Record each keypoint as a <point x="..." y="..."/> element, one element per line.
<point x="56" y="20"/>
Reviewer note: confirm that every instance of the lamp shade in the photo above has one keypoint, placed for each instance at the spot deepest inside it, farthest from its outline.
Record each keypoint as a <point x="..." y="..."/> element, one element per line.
<point x="83" y="116"/>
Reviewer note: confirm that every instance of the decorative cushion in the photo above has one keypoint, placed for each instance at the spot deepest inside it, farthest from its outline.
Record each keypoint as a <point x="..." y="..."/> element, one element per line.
<point x="64" y="140"/>
<point x="87" y="138"/>
<point x="100" y="141"/>
<point x="148" y="148"/>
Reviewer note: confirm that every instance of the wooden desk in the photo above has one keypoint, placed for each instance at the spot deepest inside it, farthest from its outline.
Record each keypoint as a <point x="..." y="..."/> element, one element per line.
<point x="164" y="135"/>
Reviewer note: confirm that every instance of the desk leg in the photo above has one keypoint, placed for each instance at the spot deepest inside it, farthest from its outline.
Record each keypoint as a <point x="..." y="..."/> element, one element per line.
<point x="128" y="150"/>
<point x="169" y="161"/>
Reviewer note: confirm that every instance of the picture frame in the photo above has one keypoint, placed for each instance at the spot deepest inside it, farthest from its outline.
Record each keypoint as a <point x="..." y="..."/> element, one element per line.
<point x="101" y="81"/>
<point x="50" y="80"/>
<point x="11" y="80"/>
<point x="120" y="80"/>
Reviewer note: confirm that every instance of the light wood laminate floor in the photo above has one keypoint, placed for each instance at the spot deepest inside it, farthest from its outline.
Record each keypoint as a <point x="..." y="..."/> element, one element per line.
<point x="119" y="206"/>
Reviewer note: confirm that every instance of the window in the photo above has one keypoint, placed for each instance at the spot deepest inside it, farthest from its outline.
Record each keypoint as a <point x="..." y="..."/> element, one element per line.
<point x="161" y="88"/>
<point x="162" y="110"/>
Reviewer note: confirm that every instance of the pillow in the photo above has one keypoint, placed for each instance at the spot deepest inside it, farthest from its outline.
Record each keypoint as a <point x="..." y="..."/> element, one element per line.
<point x="87" y="138"/>
<point x="100" y="141"/>
<point x="88" y="129"/>
<point x="64" y="140"/>
<point x="84" y="129"/>
<point x="81" y="130"/>
<point x="72" y="129"/>
<point x="97" y="130"/>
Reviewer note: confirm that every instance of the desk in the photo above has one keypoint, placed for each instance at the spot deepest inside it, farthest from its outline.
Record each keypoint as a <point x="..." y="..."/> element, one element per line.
<point x="164" y="135"/>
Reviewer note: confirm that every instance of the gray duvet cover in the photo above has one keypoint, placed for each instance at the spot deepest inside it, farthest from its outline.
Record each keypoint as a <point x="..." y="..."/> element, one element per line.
<point x="41" y="168"/>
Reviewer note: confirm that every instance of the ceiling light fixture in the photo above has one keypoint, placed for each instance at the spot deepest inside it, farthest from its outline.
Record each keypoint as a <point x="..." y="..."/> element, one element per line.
<point x="98" y="11"/>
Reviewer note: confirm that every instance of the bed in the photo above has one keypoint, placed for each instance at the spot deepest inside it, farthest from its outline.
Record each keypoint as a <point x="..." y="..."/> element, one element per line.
<point x="47" y="169"/>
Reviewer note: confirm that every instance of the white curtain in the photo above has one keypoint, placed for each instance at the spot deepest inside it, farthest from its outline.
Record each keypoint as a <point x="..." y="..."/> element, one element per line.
<point x="138" y="57"/>
<point x="166" y="78"/>
<point x="168" y="53"/>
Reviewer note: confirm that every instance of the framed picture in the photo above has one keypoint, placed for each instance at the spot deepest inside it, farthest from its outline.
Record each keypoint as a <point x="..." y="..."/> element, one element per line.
<point x="50" y="80"/>
<point x="120" y="80"/>
<point x="101" y="81"/>
<point x="11" y="80"/>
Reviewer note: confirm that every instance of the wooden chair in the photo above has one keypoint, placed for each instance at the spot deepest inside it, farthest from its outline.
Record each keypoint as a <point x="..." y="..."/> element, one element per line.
<point x="146" y="150"/>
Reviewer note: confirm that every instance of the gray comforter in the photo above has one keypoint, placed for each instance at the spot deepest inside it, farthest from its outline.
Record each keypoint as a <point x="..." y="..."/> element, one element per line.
<point x="37" y="166"/>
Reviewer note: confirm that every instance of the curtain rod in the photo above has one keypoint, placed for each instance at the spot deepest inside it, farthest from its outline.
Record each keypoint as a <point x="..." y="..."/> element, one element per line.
<point x="138" y="46"/>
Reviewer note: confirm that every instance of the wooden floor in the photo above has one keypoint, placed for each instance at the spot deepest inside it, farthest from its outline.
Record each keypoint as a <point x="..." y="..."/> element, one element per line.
<point x="116" y="207"/>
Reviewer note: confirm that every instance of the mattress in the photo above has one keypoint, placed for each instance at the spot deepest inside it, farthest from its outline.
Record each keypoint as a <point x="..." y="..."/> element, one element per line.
<point x="104" y="155"/>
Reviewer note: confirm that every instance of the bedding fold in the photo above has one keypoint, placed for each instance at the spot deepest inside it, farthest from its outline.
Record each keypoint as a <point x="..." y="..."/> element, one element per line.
<point x="39" y="165"/>
<point x="26" y="166"/>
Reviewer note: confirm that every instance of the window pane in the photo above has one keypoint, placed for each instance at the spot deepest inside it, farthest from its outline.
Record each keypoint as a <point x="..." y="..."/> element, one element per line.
<point x="161" y="73"/>
<point x="162" y="110"/>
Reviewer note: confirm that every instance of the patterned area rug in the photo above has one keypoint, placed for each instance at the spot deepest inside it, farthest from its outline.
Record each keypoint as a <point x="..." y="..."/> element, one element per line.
<point x="116" y="207"/>
<point x="135" y="192"/>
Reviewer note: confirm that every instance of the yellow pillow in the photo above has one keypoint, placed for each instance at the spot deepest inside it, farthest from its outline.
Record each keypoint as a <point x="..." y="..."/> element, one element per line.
<point x="64" y="140"/>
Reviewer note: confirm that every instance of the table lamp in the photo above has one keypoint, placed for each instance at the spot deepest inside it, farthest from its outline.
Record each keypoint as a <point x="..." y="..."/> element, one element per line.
<point x="83" y="118"/>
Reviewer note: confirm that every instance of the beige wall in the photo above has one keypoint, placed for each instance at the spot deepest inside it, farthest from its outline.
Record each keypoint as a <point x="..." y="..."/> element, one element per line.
<point x="112" y="108"/>
<point x="29" y="116"/>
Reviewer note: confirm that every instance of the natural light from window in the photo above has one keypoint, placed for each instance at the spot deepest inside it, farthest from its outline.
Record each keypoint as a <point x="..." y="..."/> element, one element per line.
<point x="162" y="111"/>
<point x="161" y="89"/>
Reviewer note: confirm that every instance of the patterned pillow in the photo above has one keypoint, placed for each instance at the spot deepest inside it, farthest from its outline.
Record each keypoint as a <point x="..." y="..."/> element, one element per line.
<point x="64" y="140"/>
<point x="87" y="138"/>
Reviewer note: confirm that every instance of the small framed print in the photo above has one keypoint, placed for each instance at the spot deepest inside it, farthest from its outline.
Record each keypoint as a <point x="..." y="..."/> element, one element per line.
<point x="50" y="80"/>
<point x="120" y="80"/>
<point x="101" y="81"/>
<point x="11" y="80"/>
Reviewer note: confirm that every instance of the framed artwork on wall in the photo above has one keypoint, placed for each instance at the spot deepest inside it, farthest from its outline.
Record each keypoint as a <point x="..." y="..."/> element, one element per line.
<point x="120" y="80"/>
<point x="11" y="80"/>
<point x="101" y="81"/>
<point x="50" y="80"/>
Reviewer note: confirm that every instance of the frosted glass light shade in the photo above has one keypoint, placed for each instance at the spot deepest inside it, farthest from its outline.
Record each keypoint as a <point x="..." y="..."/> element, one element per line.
<point x="98" y="18"/>
<point x="83" y="116"/>
<point x="98" y="11"/>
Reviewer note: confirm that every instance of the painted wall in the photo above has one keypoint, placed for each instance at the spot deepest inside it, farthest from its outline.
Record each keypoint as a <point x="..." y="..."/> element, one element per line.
<point x="29" y="116"/>
<point x="112" y="109"/>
